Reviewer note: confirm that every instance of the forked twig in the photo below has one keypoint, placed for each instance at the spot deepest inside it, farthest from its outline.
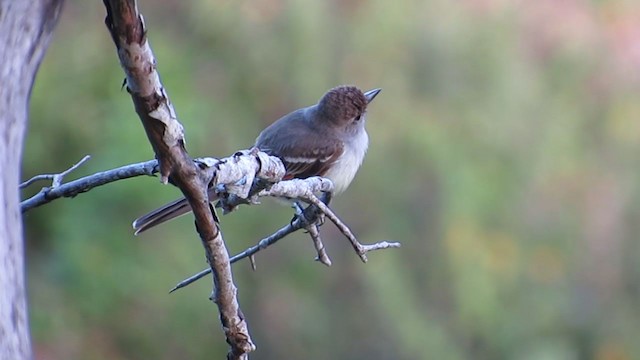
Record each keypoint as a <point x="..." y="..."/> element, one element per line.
<point x="86" y="183"/>
<point x="302" y="189"/>
<point x="57" y="178"/>
<point x="360" y="249"/>
<point x="295" y="225"/>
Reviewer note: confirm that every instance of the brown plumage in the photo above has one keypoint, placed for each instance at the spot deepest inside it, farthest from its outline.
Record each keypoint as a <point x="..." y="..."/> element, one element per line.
<point x="302" y="139"/>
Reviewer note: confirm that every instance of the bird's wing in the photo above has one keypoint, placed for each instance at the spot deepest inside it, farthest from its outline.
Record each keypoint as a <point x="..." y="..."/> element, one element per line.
<point x="303" y="162"/>
<point x="303" y="150"/>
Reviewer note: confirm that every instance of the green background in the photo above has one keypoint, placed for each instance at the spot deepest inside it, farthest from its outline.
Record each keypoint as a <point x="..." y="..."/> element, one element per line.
<point x="504" y="156"/>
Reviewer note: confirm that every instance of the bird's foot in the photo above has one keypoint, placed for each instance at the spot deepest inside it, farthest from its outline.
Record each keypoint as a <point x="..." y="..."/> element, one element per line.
<point x="310" y="215"/>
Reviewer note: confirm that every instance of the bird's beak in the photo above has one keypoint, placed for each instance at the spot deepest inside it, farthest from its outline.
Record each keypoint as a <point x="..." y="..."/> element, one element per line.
<point x="371" y="94"/>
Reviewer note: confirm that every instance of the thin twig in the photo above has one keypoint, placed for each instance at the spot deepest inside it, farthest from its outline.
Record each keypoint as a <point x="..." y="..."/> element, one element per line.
<point x="305" y="189"/>
<point x="261" y="245"/>
<point x="87" y="183"/>
<point x="322" y="257"/>
<point x="57" y="178"/>
<point x="312" y="229"/>
<point x="360" y="249"/>
<point x="306" y="219"/>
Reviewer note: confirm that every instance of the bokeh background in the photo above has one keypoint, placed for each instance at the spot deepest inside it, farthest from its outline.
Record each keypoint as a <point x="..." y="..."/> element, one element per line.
<point x="504" y="156"/>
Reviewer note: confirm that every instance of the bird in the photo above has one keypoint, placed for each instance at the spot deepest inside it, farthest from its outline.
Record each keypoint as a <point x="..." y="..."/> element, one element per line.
<point x="327" y="139"/>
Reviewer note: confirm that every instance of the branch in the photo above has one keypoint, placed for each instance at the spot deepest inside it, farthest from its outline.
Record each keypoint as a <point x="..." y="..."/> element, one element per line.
<point x="303" y="189"/>
<point x="166" y="135"/>
<point x="230" y="171"/>
<point x="361" y="249"/>
<point x="314" y="233"/>
<point x="317" y="243"/>
<point x="294" y="226"/>
<point x="84" y="184"/>
<point x="57" y="178"/>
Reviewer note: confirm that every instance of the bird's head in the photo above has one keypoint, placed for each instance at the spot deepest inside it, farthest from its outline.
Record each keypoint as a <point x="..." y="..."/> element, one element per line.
<point x="346" y="105"/>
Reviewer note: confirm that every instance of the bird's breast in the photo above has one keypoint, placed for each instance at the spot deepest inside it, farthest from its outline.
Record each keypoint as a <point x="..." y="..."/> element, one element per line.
<point x="347" y="165"/>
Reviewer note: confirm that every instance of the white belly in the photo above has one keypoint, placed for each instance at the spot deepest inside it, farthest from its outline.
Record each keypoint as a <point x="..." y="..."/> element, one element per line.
<point x="346" y="167"/>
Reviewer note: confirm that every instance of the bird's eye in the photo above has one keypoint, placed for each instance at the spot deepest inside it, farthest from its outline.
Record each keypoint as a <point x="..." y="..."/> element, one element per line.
<point x="357" y="118"/>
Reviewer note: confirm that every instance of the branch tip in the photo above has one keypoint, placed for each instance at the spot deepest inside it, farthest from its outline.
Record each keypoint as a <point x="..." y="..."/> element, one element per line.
<point x="56" y="178"/>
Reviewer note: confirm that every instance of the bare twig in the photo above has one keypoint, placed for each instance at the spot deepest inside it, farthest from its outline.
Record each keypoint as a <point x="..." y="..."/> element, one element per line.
<point x="302" y="189"/>
<point x="317" y="243"/>
<point x="293" y="226"/>
<point x="360" y="249"/>
<point x="245" y="163"/>
<point x="293" y="188"/>
<point x="57" y="178"/>
<point x="312" y="229"/>
<point x="87" y="183"/>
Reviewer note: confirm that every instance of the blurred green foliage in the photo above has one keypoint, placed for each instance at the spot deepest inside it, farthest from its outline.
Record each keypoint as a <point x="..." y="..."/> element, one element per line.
<point x="504" y="156"/>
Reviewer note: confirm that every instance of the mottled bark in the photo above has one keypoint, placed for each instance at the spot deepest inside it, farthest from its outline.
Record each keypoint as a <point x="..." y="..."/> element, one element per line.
<point x="166" y="136"/>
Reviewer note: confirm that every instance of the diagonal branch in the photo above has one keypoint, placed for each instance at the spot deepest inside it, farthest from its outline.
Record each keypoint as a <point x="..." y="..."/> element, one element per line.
<point x="296" y="189"/>
<point x="303" y="189"/>
<point x="294" y="226"/>
<point x="166" y="135"/>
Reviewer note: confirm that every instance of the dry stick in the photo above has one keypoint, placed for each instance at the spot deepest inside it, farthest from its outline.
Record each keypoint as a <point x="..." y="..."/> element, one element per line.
<point x="314" y="233"/>
<point x="57" y="178"/>
<point x="295" y="225"/>
<point x="317" y="185"/>
<point x="317" y="243"/>
<point x="300" y="222"/>
<point x="87" y="183"/>
<point x="149" y="168"/>
<point x="166" y="135"/>
<point x="360" y="249"/>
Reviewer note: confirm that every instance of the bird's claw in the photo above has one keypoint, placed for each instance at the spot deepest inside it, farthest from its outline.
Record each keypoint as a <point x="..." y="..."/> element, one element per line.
<point x="298" y="213"/>
<point x="310" y="215"/>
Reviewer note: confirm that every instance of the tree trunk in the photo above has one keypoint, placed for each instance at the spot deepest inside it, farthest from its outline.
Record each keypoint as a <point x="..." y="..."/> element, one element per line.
<point x="25" y="31"/>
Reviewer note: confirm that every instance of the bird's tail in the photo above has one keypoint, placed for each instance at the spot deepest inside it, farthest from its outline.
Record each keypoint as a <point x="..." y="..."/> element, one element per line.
<point x="165" y="213"/>
<point x="158" y="216"/>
